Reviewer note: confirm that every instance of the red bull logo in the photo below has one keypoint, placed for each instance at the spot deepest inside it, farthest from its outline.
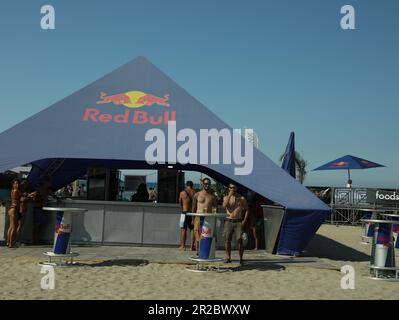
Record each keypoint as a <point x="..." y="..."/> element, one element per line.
<point x="341" y="164"/>
<point x="134" y="99"/>
<point x="136" y="117"/>
<point x="206" y="232"/>
<point x="131" y="100"/>
<point x="63" y="228"/>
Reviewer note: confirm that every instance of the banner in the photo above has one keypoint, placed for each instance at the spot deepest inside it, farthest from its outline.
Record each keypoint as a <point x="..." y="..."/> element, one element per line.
<point x="385" y="197"/>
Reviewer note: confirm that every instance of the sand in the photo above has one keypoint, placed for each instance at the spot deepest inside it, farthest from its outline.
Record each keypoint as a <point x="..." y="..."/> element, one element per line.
<point x="337" y="246"/>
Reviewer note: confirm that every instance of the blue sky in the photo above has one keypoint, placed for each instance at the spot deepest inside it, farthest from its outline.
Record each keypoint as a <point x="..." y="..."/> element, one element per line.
<point x="275" y="66"/>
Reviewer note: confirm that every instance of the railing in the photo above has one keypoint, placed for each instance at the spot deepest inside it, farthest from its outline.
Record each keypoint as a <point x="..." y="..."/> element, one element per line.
<point x="347" y="204"/>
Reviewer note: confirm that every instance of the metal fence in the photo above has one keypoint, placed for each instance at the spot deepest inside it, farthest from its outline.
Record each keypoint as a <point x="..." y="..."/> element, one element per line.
<point x="348" y="204"/>
<point x="346" y="214"/>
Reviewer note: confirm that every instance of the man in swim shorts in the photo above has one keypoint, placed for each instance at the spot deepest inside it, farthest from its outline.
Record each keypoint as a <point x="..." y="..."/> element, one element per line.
<point x="203" y="202"/>
<point x="186" y="201"/>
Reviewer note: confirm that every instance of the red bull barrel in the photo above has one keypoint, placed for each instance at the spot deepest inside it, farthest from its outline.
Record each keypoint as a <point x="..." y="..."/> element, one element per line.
<point x="395" y="235"/>
<point x="206" y="237"/>
<point x="384" y="252"/>
<point x="62" y="233"/>
<point x="395" y="231"/>
<point x="369" y="232"/>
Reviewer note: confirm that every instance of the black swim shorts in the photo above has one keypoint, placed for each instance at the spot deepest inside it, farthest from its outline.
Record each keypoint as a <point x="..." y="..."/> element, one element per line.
<point x="187" y="222"/>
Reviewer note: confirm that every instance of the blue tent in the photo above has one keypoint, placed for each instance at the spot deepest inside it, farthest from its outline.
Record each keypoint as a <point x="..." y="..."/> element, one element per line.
<point x="104" y="125"/>
<point x="289" y="157"/>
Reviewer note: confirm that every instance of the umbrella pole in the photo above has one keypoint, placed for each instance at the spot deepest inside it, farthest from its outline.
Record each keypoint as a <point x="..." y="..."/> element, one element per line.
<point x="349" y="174"/>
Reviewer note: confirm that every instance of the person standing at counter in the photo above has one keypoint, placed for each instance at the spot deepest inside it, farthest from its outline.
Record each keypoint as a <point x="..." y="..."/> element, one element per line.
<point x="203" y="202"/>
<point x="186" y="201"/>
<point x="24" y="199"/>
<point x="152" y="194"/>
<point x="237" y="217"/>
<point x="13" y="213"/>
<point x="40" y="198"/>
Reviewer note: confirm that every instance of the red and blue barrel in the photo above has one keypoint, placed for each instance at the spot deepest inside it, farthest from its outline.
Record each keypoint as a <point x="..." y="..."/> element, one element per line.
<point x="369" y="232"/>
<point x="206" y="237"/>
<point x="395" y="231"/>
<point x="62" y="233"/>
<point x="384" y="255"/>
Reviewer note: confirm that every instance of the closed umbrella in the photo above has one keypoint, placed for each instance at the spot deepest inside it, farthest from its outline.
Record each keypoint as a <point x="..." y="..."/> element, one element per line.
<point x="289" y="156"/>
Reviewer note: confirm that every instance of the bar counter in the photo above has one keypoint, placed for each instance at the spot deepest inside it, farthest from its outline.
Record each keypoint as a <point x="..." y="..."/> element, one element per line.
<point x="116" y="222"/>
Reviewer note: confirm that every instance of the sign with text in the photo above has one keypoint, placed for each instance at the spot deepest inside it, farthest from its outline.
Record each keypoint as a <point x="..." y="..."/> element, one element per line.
<point x="383" y="196"/>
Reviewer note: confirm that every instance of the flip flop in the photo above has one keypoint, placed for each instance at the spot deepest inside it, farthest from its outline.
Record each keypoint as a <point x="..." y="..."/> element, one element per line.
<point x="227" y="260"/>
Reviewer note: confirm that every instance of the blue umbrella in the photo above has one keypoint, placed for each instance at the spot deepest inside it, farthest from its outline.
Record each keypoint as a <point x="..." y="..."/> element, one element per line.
<point x="289" y="156"/>
<point x="349" y="162"/>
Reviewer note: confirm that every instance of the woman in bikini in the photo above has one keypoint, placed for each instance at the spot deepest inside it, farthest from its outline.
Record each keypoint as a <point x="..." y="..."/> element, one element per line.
<point x="23" y="208"/>
<point x="13" y="213"/>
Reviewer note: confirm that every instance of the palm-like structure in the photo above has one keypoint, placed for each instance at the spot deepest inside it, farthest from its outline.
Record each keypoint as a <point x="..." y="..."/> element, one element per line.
<point x="300" y="165"/>
<point x="220" y="190"/>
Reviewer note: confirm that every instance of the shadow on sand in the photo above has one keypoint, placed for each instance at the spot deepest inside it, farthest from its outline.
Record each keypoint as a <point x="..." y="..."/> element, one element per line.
<point x="116" y="263"/>
<point x="259" y="265"/>
<point x="323" y="247"/>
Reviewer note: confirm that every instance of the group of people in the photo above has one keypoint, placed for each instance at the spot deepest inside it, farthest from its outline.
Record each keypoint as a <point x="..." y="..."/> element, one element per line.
<point x="71" y="191"/>
<point x="20" y="198"/>
<point x="242" y="215"/>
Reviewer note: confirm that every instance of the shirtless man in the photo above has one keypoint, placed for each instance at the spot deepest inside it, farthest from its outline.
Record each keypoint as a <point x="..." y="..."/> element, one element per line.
<point x="202" y="203"/>
<point x="13" y="213"/>
<point x="237" y="216"/>
<point x="186" y="201"/>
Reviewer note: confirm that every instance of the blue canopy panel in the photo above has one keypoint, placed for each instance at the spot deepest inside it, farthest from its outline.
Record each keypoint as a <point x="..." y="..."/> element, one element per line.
<point x="297" y="229"/>
<point x="107" y="121"/>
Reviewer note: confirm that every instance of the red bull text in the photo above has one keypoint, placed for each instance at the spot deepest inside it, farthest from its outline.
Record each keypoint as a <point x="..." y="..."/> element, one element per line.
<point x="133" y="117"/>
<point x="132" y="100"/>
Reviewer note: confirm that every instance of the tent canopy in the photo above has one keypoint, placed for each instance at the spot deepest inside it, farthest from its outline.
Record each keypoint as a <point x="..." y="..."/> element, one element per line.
<point x="105" y="123"/>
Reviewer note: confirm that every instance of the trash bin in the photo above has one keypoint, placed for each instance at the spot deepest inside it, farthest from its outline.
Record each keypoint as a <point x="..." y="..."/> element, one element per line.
<point x="273" y="218"/>
<point x="384" y="255"/>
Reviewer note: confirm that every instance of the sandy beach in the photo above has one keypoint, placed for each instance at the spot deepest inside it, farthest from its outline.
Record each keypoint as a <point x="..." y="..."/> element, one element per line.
<point x="118" y="272"/>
